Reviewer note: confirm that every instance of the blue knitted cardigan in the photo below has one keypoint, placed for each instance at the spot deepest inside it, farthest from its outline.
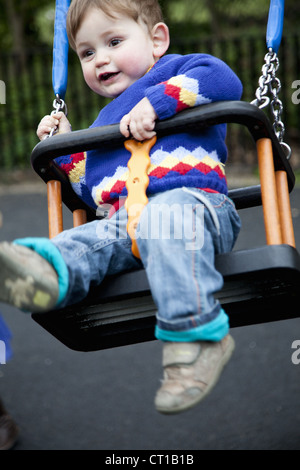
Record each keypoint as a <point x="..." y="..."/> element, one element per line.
<point x="174" y="83"/>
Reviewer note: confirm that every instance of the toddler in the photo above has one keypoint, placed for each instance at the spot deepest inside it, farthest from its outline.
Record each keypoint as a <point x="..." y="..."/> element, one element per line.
<point x="122" y="45"/>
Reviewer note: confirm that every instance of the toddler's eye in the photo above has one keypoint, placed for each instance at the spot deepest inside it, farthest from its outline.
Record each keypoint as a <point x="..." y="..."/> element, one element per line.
<point x="114" y="42"/>
<point x="85" y="54"/>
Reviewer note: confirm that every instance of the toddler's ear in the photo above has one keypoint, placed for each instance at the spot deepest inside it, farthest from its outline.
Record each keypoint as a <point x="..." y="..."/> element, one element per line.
<point x="161" y="40"/>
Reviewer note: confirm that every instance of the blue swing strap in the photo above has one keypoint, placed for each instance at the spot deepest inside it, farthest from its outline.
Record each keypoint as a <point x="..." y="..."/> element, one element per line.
<point x="269" y="84"/>
<point x="60" y="56"/>
<point x="275" y="25"/>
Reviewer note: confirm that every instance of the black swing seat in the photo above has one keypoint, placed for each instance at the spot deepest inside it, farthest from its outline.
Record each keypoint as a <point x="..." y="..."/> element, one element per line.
<point x="260" y="284"/>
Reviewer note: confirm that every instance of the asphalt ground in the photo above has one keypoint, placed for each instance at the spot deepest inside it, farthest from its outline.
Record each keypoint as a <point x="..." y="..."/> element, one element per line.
<point x="68" y="400"/>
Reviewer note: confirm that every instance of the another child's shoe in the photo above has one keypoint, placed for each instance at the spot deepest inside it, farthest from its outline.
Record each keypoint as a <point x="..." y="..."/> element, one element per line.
<point x="9" y="431"/>
<point x="27" y="280"/>
<point x="190" y="372"/>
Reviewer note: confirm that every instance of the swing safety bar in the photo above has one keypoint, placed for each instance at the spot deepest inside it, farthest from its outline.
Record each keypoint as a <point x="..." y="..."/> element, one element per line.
<point x="277" y="177"/>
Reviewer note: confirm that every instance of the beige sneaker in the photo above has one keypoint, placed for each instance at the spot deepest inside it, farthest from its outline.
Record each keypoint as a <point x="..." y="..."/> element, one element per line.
<point x="190" y="372"/>
<point x="27" y="280"/>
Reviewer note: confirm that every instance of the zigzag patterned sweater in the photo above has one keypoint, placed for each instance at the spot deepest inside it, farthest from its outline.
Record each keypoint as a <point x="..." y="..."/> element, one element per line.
<point x="188" y="159"/>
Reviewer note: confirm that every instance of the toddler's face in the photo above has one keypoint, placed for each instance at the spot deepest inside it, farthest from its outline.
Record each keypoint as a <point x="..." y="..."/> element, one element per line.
<point x="114" y="52"/>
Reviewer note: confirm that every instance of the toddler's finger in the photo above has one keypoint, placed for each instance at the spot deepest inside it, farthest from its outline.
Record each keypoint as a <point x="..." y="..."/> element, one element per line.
<point x="124" y="125"/>
<point x="148" y="124"/>
<point x="43" y="132"/>
<point x="58" y="114"/>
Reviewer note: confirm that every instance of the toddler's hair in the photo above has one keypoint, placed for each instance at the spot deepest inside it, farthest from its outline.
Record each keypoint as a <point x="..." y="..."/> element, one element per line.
<point x="148" y="11"/>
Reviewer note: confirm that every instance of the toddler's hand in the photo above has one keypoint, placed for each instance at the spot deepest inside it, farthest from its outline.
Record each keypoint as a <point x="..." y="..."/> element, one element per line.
<point x="140" y="122"/>
<point x="55" y="121"/>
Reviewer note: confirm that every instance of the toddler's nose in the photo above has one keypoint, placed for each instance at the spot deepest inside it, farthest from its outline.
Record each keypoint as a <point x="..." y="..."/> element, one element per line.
<point x="102" y="59"/>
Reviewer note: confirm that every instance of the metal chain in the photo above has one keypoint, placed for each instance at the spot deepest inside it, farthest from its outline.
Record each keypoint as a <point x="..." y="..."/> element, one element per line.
<point x="58" y="105"/>
<point x="270" y="85"/>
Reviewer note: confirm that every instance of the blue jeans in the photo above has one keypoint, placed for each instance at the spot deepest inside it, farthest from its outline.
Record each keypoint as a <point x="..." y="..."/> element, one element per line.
<point x="179" y="233"/>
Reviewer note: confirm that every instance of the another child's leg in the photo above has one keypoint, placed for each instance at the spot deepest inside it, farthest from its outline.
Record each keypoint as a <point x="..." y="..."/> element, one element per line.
<point x="180" y="267"/>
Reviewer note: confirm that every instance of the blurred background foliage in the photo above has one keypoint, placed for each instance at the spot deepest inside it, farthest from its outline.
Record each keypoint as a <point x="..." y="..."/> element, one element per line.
<point x="28" y="23"/>
<point x="232" y="30"/>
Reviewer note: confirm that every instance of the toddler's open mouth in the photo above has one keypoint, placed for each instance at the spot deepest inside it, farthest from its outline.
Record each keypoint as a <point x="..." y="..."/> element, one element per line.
<point x="107" y="76"/>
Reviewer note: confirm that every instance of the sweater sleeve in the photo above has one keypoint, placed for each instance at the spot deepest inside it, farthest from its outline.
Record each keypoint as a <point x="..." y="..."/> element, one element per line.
<point x="200" y="79"/>
<point x="74" y="167"/>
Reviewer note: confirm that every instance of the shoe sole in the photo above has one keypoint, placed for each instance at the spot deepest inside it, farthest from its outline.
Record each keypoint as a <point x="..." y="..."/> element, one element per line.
<point x="19" y="286"/>
<point x="225" y="359"/>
